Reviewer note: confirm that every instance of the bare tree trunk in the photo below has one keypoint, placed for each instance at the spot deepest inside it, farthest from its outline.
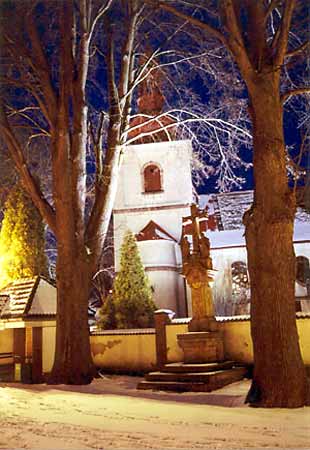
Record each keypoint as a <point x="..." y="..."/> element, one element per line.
<point x="73" y="363"/>
<point x="279" y="373"/>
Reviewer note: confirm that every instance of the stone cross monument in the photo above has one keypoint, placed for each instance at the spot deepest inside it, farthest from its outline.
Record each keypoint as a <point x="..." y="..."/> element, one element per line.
<point x="203" y="342"/>
<point x="197" y="269"/>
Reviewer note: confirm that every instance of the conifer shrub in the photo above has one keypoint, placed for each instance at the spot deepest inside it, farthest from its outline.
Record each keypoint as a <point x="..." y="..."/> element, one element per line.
<point x="131" y="304"/>
<point x="21" y="239"/>
<point x="106" y="316"/>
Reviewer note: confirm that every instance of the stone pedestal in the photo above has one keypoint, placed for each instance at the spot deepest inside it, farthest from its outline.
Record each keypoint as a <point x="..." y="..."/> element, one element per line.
<point x="202" y="346"/>
<point x="203" y="324"/>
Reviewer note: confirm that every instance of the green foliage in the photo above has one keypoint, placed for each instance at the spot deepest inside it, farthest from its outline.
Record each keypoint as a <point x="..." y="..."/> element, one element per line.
<point x="21" y="239"/>
<point x="133" y="306"/>
<point x="106" y="319"/>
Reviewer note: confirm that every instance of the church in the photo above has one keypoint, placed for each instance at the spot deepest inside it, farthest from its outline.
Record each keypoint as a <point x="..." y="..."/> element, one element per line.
<point x="155" y="193"/>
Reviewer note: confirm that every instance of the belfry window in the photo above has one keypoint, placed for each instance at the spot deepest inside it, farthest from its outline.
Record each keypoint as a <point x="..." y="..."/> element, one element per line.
<point x="152" y="178"/>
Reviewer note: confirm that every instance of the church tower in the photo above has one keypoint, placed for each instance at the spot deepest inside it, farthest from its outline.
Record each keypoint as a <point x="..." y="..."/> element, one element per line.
<point x="154" y="193"/>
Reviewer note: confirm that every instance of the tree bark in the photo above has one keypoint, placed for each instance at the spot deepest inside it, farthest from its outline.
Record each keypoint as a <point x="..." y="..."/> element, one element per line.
<point x="279" y="373"/>
<point x="73" y="363"/>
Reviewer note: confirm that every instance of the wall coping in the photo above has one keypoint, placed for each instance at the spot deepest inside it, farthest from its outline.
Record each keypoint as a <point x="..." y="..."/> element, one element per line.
<point x="127" y="332"/>
<point x="241" y="318"/>
<point x="182" y="321"/>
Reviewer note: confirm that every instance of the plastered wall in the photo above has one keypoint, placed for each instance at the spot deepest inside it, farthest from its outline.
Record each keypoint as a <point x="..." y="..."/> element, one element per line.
<point x="48" y="338"/>
<point x="124" y="352"/>
<point x="6" y="345"/>
<point x="130" y="351"/>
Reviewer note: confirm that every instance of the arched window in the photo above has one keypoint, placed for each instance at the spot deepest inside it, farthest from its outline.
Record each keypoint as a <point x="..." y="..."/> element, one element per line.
<point x="302" y="270"/>
<point x="152" y="178"/>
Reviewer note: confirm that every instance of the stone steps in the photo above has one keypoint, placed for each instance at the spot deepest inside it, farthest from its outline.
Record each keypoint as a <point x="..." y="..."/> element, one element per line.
<point x="198" y="380"/>
<point x="181" y="367"/>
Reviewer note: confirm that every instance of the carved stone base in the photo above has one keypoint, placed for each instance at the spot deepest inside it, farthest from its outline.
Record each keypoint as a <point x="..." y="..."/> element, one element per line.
<point x="203" y="324"/>
<point x="201" y="347"/>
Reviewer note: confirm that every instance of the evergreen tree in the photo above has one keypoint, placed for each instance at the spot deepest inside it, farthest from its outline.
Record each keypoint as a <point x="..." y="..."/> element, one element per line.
<point x="132" y="294"/>
<point x="21" y="239"/>
<point x="106" y="319"/>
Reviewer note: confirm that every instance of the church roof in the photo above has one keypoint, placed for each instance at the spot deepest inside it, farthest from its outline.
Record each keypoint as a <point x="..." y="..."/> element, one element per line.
<point x="227" y="209"/>
<point x="145" y="129"/>
<point x="153" y="231"/>
<point x="151" y="124"/>
<point x="17" y="299"/>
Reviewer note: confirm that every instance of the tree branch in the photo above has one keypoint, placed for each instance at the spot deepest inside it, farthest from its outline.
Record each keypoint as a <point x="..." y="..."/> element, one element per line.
<point x="297" y="50"/>
<point x="293" y="92"/>
<point x="196" y="22"/>
<point x="235" y="40"/>
<point x="282" y="40"/>
<point x="272" y="5"/>
<point x="104" y="8"/>
<point x="30" y="184"/>
<point x="42" y="69"/>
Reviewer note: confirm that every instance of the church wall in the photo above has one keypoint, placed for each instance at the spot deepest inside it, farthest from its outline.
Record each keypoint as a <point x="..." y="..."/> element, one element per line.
<point x="173" y="159"/>
<point x="165" y="286"/>
<point x="222" y="287"/>
<point x="170" y="220"/>
<point x="183" y="297"/>
<point x="302" y="249"/>
<point x="134" y="209"/>
<point x="223" y="257"/>
<point x="156" y="253"/>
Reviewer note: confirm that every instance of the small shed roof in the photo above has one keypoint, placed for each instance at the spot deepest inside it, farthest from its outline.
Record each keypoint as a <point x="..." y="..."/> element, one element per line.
<point x="3" y="299"/>
<point x="17" y="298"/>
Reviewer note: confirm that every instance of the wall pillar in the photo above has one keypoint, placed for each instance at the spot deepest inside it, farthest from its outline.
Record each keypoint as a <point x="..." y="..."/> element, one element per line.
<point x="37" y="369"/>
<point x="19" y="351"/>
<point x="162" y="318"/>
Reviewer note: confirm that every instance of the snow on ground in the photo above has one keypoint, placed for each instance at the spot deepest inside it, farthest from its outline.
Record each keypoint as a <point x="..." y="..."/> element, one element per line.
<point x="111" y="414"/>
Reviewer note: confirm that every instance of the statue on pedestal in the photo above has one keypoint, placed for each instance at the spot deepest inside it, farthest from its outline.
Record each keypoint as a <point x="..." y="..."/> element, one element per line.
<point x="203" y="342"/>
<point x="196" y="264"/>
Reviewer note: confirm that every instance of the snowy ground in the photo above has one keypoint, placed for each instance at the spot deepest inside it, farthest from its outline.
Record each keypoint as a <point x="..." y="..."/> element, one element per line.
<point x="112" y="414"/>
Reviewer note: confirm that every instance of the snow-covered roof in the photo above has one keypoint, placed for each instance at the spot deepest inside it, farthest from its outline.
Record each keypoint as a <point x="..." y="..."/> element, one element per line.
<point x="228" y="209"/>
<point x="23" y="298"/>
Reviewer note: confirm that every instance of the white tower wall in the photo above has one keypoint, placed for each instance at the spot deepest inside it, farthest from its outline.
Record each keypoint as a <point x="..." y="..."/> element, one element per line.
<point x="134" y="209"/>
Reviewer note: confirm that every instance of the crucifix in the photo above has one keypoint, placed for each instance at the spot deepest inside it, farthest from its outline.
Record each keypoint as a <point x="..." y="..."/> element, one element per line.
<point x="203" y="342"/>
<point x="196" y="214"/>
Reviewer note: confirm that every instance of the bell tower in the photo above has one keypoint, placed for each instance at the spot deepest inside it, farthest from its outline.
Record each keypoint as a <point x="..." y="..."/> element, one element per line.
<point x="154" y="193"/>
